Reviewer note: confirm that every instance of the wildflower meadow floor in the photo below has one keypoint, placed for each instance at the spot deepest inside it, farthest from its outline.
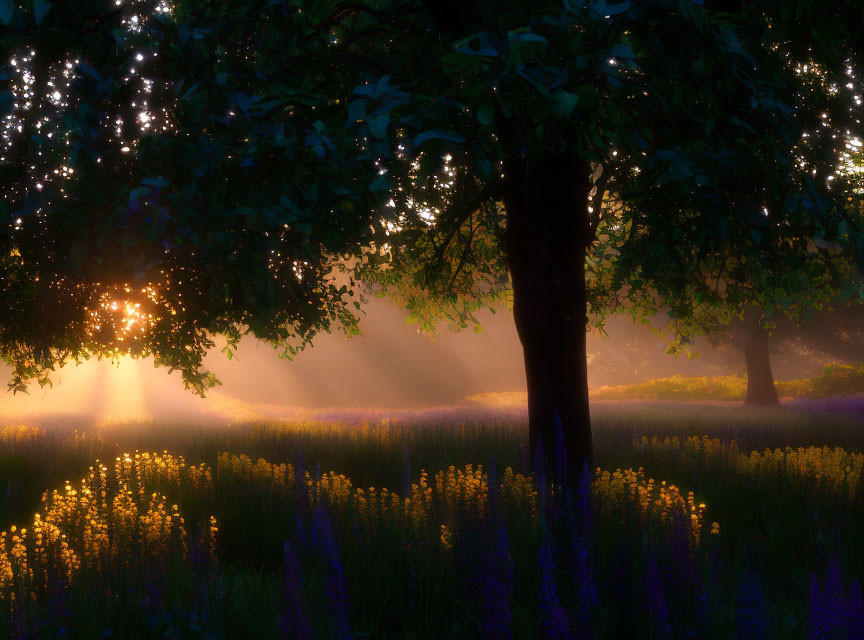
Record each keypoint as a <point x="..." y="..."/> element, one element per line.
<point x="701" y="521"/>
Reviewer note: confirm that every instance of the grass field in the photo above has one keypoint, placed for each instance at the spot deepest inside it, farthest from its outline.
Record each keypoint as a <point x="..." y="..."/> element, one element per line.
<point x="699" y="522"/>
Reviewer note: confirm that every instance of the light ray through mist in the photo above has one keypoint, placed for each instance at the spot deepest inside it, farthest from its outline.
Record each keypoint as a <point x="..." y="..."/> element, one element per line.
<point x="389" y="367"/>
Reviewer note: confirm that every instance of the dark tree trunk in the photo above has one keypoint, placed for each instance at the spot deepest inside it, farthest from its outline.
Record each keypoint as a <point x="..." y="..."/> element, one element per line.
<point x="547" y="234"/>
<point x="760" y="380"/>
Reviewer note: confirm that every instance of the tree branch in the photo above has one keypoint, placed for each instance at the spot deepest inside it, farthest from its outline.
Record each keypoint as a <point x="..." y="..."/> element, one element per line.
<point x="346" y="10"/>
<point x="462" y="214"/>
<point x="462" y="259"/>
<point x="597" y="203"/>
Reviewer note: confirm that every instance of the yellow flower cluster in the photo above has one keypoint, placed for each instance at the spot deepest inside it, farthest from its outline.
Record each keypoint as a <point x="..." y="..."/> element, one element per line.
<point x="831" y="468"/>
<point x="105" y="522"/>
<point x="462" y="489"/>
<point x="454" y="491"/>
<point x="614" y="492"/>
<point x="15" y="434"/>
<point x="834" y="469"/>
<point x="161" y="472"/>
<point x="691" y="447"/>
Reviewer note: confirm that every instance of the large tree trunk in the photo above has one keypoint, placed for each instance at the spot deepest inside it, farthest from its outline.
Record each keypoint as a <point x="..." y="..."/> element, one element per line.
<point x="760" y="380"/>
<point x="547" y="234"/>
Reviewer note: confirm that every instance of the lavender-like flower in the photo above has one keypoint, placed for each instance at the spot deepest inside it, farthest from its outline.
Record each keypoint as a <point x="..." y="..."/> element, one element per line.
<point x="832" y="613"/>
<point x="855" y="611"/>
<point x="834" y="597"/>
<point x="293" y="622"/>
<point x="496" y="586"/>
<point x="554" y="623"/>
<point x="586" y="587"/>
<point x="655" y="601"/>
<point x="337" y="587"/>
<point x="817" y="609"/>
<point x="679" y="574"/>
<point x="751" y="615"/>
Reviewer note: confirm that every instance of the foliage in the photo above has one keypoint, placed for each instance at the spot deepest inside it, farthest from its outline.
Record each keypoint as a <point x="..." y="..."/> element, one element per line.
<point x="835" y="380"/>
<point x="284" y="142"/>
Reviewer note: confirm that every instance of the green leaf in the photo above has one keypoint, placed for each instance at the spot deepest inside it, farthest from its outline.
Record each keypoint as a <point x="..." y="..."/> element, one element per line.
<point x="378" y="126"/>
<point x="485" y="113"/>
<point x="41" y="8"/>
<point x="10" y="16"/>
<point x="601" y="8"/>
<point x="440" y="134"/>
<point x="564" y="103"/>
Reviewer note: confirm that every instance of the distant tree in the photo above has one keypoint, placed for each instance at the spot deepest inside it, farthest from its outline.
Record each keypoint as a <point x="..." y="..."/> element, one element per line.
<point x="283" y="141"/>
<point x="836" y="332"/>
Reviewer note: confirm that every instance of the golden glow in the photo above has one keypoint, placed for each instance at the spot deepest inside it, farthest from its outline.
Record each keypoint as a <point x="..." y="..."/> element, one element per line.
<point x="122" y="314"/>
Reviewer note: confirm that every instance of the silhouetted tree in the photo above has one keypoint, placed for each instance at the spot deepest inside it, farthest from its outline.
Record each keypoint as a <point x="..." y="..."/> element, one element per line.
<point x="222" y="179"/>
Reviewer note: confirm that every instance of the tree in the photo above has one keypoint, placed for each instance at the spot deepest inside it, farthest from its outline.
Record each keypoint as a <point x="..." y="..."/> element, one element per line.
<point x="684" y="199"/>
<point x="835" y="331"/>
<point x="300" y="138"/>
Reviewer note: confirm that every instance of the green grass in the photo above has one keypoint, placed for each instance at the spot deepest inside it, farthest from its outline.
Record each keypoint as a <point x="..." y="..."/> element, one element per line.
<point x="784" y="527"/>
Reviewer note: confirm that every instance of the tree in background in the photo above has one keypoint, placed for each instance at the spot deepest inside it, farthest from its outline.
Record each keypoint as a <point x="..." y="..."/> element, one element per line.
<point x="224" y="178"/>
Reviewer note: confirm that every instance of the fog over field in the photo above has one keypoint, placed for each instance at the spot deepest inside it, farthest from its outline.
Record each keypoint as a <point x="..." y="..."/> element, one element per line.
<point x="389" y="366"/>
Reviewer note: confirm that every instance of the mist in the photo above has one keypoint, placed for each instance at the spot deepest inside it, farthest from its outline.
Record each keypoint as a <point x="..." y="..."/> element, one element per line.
<point x="389" y="366"/>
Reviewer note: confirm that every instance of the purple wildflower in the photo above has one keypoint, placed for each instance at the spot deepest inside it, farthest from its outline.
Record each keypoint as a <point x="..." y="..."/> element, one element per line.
<point x="751" y="615"/>
<point x="337" y="587"/>
<point x="817" y="609"/>
<point x="553" y="618"/>
<point x="586" y="587"/>
<point x="832" y="613"/>
<point x="198" y="561"/>
<point x="496" y="586"/>
<point x="58" y="606"/>
<point x="855" y="611"/>
<point x="293" y="622"/>
<point x="655" y="601"/>
<point x="834" y="597"/>
<point x="678" y="574"/>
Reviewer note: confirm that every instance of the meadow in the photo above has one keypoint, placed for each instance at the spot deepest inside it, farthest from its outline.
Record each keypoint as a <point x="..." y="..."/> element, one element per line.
<point x="699" y="521"/>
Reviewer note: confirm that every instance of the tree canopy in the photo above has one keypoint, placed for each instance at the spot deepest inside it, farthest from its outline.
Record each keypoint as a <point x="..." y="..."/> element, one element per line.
<point x="177" y="171"/>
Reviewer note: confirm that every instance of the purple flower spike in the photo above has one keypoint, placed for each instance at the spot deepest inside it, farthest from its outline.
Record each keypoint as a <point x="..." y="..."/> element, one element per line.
<point x="337" y="587"/>
<point x="586" y="587"/>
<point x="855" y="611"/>
<point x="833" y="600"/>
<point x="817" y="609"/>
<point x="554" y="623"/>
<point x="293" y="622"/>
<point x="751" y="615"/>
<point x="496" y="587"/>
<point x="655" y="601"/>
